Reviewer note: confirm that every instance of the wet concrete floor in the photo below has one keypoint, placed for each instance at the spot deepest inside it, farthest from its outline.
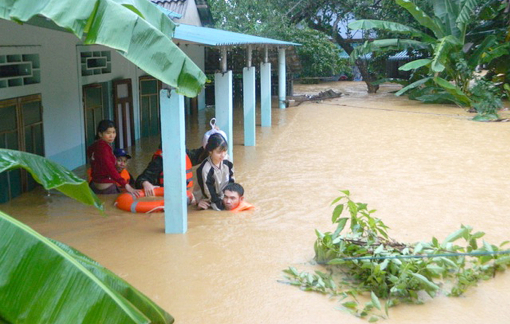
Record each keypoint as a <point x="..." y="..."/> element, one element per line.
<point x="427" y="169"/>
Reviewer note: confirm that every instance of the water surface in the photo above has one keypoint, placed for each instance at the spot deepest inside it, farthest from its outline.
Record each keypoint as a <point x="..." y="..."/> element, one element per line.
<point x="427" y="169"/>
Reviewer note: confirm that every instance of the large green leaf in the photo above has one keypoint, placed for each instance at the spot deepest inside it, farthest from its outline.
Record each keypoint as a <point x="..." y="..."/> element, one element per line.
<point x="413" y="85"/>
<point x="390" y="44"/>
<point x="481" y="49"/>
<point x="390" y="26"/>
<point x="42" y="283"/>
<point x="136" y="28"/>
<point x="421" y="17"/>
<point x="50" y="174"/>
<point x="454" y="91"/>
<point x="416" y="64"/>
<point x="441" y="52"/>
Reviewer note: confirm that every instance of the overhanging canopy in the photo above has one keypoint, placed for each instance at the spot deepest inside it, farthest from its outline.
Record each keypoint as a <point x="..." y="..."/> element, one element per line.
<point x="216" y="37"/>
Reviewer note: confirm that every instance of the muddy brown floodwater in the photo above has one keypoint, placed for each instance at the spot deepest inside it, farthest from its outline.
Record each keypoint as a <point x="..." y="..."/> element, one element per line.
<point x="427" y="169"/>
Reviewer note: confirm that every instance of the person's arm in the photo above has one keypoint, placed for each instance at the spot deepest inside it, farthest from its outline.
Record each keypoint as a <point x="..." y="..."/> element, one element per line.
<point x="150" y="174"/>
<point x="211" y="193"/>
<point x="196" y="156"/>
<point x="230" y="165"/>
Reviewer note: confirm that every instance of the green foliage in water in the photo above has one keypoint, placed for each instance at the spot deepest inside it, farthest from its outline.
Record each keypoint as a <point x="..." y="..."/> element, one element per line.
<point x="362" y="260"/>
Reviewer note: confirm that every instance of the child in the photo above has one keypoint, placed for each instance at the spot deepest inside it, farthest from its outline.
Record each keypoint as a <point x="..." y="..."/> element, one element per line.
<point x="121" y="165"/>
<point x="102" y="162"/>
<point x="215" y="172"/>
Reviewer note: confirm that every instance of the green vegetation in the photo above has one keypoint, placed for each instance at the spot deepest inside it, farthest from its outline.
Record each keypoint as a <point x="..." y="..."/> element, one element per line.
<point x="448" y="49"/>
<point x="362" y="262"/>
<point x="47" y="281"/>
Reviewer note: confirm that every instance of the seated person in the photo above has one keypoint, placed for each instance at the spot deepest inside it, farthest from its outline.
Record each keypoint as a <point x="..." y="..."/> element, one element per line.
<point x="121" y="162"/>
<point x="233" y="199"/>
<point x="121" y="165"/>
<point x="152" y="176"/>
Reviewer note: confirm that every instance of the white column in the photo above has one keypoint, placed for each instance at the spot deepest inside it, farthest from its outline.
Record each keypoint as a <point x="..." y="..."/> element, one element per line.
<point x="265" y="94"/>
<point x="282" y="79"/>
<point x="224" y="106"/>
<point x="249" y="106"/>
<point x="174" y="161"/>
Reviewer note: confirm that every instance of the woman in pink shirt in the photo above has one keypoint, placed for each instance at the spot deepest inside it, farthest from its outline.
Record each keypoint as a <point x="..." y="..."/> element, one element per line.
<point x="105" y="177"/>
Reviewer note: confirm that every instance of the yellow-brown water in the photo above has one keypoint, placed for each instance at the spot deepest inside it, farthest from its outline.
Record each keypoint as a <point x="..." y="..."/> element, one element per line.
<point x="427" y="169"/>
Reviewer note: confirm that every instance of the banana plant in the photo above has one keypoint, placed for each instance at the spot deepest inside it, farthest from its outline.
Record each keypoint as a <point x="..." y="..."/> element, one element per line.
<point x="137" y="29"/>
<point x="446" y="59"/>
<point x="45" y="281"/>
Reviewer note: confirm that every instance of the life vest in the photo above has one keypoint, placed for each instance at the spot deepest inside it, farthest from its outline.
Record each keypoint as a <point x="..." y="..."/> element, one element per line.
<point x="124" y="174"/>
<point x="243" y="205"/>
<point x="189" y="174"/>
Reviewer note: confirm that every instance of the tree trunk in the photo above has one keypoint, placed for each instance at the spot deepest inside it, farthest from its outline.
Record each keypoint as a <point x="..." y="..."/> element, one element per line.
<point x="367" y="76"/>
<point x="362" y="65"/>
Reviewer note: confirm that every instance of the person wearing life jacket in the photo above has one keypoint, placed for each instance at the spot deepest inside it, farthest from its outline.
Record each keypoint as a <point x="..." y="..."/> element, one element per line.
<point x="121" y="162"/>
<point x="233" y="199"/>
<point x="152" y="176"/>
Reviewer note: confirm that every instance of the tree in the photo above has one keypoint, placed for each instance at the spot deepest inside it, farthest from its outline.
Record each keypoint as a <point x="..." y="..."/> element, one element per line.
<point x="318" y="55"/>
<point x="331" y="17"/>
<point x="446" y="74"/>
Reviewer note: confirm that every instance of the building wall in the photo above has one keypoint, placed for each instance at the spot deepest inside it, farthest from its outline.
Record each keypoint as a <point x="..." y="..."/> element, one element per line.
<point x="61" y="85"/>
<point x="197" y="54"/>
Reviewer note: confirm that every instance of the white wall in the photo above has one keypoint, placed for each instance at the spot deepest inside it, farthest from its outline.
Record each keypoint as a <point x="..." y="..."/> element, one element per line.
<point x="61" y="85"/>
<point x="197" y="54"/>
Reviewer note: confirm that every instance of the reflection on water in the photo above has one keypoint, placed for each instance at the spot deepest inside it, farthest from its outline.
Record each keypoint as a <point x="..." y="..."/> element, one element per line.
<point x="425" y="168"/>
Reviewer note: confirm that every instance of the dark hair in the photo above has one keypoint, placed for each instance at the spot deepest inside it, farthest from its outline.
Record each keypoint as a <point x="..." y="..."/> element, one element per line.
<point x="103" y="126"/>
<point x="215" y="141"/>
<point x="235" y="187"/>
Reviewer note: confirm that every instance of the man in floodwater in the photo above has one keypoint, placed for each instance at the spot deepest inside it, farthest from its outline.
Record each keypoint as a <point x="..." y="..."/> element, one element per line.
<point x="233" y="199"/>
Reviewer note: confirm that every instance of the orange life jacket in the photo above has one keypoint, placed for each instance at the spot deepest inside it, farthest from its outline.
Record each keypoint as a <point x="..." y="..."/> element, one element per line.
<point x="243" y="205"/>
<point x="189" y="173"/>
<point x="124" y="174"/>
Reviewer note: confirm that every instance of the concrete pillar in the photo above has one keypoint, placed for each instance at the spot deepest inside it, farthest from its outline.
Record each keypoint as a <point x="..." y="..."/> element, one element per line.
<point x="265" y="94"/>
<point x="224" y="106"/>
<point x="174" y="161"/>
<point x="249" y="106"/>
<point x="282" y="86"/>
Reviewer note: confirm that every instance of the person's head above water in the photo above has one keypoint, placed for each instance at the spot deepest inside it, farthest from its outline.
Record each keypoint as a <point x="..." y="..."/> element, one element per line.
<point x="106" y="131"/>
<point x="217" y="148"/>
<point x="233" y="195"/>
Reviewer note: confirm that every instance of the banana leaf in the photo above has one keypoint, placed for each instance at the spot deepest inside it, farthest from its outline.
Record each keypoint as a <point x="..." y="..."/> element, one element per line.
<point x="421" y="17"/>
<point x="413" y="65"/>
<point x="455" y="91"/>
<point x="136" y="28"/>
<point x="390" y="26"/>
<point x="50" y="174"/>
<point x="390" y="44"/>
<point x="413" y="85"/>
<point x="46" y="282"/>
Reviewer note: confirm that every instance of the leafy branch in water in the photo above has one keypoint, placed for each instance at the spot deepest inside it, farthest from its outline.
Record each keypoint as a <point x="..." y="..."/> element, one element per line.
<point x="362" y="260"/>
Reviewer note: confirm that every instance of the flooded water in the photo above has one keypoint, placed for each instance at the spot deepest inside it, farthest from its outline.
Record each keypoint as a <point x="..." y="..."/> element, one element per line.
<point x="427" y="169"/>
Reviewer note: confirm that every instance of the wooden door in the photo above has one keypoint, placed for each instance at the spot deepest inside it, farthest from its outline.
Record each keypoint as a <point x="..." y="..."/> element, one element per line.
<point x="21" y="128"/>
<point x="123" y="113"/>
<point x="93" y="107"/>
<point x="150" y="124"/>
